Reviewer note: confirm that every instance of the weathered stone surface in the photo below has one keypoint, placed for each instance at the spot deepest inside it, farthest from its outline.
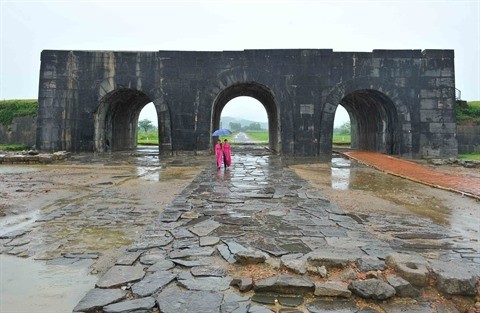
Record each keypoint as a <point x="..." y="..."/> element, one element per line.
<point x="189" y="282"/>
<point x="367" y="264"/>
<point x="180" y="233"/>
<point x="209" y="241"/>
<point x="169" y="216"/>
<point x="17" y="242"/>
<point x="216" y="271"/>
<point x="162" y="265"/>
<point x="259" y="309"/>
<point x="233" y="303"/>
<point x="152" y="283"/>
<point x="332" y="289"/>
<point x="119" y="275"/>
<point x="337" y="306"/>
<point x="204" y="228"/>
<point x="235" y="247"/>
<point x="15" y="234"/>
<point x="264" y="299"/>
<point x="372" y="289"/>
<point x="152" y="257"/>
<point x="287" y="284"/>
<point x="149" y="243"/>
<point x="190" y="263"/>
<point x="408" y="307"/>
<point x="176" y="300"/>
<point x="290" y="301"/>
<point x="410" y="267"/>
<point x="134" y="305"/>
<point x="332" y="258"/>
<point x="318" y="270"/>
<point x="128" y="258"/>
<point x="454" y="279"/>
<point x="347" y="274"/>
<point x="97" y="298"/>
<point x="81" y="255"/>
<point x="402" y="287"/>
<point x="191" y="252"/>
<point x="294" y="262"/>
<point x="243" y="284"/>
<point x="249" y="257"/>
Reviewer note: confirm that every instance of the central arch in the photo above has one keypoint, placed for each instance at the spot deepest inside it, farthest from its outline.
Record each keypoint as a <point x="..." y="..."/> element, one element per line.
<point x="257" y="91"/>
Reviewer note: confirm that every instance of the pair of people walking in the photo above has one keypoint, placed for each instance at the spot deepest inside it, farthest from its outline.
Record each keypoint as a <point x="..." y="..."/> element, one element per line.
<point x="223" y="153"/>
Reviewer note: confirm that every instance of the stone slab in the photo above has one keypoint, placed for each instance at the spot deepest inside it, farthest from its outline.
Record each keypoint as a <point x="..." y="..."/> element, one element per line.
<point x="120" y="275"/>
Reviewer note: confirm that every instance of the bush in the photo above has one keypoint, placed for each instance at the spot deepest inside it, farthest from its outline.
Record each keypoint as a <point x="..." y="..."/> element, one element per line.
<point x="12" y="108"/>
<point x="470" y="112"/>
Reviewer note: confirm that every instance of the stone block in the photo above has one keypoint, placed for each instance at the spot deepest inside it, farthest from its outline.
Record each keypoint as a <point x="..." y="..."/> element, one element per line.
<point x="454" y="278"/>
<point x="410" y="267"/>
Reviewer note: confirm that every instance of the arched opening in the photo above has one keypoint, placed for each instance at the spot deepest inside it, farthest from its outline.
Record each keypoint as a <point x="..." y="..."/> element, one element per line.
<point x="342" y="129"/>
<point x="147" y="128"/>
<point x="247" y="119"/>
<point x="260" y="93"/>
<point x="116" y="121"/>
<point x="374" y="122"/>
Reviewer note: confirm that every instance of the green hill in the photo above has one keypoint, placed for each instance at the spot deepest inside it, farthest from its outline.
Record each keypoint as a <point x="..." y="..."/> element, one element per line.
<point x="226" y="120"/>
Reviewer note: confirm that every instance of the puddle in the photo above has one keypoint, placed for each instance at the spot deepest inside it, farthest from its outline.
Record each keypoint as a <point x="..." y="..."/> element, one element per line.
<point x="32" y="286"/>
<point x="20" y="169"/>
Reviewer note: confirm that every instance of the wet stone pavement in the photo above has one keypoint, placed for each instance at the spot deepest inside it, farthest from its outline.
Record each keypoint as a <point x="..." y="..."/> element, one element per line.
<point x="257" y="238"/>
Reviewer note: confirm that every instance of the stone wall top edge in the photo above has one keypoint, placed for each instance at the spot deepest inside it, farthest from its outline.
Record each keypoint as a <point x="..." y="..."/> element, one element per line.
<point x="408" y="53"/>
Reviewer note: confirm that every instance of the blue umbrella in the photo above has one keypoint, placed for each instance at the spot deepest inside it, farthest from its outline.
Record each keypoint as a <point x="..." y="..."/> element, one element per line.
<point x="221" y="132"/>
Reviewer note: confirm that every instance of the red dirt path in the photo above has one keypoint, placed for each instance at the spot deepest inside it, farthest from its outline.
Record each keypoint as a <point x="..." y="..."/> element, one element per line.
<point x="416" y="172"/>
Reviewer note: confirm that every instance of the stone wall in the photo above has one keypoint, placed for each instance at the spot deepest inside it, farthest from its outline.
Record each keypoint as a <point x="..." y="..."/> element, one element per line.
<point x="22" y="130"/>
<point x="468" y="137"/>
<point x="401" y="102"/>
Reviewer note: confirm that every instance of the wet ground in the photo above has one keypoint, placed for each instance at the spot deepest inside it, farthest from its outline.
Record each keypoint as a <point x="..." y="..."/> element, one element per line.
<point x="92" y="207"/>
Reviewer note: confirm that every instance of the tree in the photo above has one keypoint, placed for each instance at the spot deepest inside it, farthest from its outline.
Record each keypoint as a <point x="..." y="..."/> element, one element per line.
<point x="145" y="124"/>
<point x="254" y="126"/>
<point x="234" y="127"/>
<point x="345" y="129"/>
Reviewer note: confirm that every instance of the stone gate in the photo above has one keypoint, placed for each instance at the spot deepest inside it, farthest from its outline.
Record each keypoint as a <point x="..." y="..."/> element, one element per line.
<point x="400" y="102"/>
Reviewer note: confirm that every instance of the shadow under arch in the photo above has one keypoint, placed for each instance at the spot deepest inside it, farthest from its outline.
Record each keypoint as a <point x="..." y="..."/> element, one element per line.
<point x="373" y="120"/>
<point x="376" y="122"/>
<point x="116" y="120"/>
<point x="257" y="91"/>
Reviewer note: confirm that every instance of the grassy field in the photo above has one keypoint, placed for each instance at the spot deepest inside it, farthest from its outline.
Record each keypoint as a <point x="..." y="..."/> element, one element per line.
<point x="470" y="156"/>
<point x="147" y="138"/>
<point x="12" y="108"/>
<point x="341" y="139"/>
<point x="261" y="136"/>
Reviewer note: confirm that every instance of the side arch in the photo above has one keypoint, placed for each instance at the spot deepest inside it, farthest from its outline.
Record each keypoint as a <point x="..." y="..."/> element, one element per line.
<point x="116" y="120"/>
<point x="380" y="120"/>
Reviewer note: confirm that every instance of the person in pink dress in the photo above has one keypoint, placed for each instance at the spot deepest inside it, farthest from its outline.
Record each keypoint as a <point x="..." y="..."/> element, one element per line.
<point x="227" y="154"/>
<point x="219" y="153"/>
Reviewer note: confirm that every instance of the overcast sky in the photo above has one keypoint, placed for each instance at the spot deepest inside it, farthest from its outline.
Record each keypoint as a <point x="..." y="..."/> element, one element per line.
<point x="28" y="27"/>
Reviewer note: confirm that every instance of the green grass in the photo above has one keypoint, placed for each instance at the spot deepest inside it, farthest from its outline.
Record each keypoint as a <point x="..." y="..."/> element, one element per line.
<point x="147" y="138"/>
<point x="341" y="139"/>
<point x="13" y="147"/>
<point x="19" y="107"/>
<point x="469" y="113"/>
<point x="470" y="156"/>
<point x="260" y="135"/>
